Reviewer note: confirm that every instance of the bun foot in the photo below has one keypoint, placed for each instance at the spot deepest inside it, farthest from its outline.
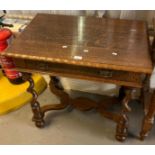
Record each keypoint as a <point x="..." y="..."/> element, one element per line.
<point x="121" y="134"/>
<point x="120" y="138"/>
<point x="143" y="135"/>
<point x="40" y="124"/>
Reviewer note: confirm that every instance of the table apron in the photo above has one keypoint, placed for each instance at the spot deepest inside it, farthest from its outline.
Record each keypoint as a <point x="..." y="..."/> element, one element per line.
<point x="122" y="78"/>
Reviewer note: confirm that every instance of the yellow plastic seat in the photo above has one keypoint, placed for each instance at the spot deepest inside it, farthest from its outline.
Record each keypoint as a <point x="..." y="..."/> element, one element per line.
<point x="14" y="96"/>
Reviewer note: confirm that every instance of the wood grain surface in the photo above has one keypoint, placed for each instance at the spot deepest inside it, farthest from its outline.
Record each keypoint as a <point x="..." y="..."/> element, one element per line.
<point x="85" y="41"/>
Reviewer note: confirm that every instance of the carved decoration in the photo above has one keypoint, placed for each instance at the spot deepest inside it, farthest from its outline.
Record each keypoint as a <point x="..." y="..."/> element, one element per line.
<point x="37" y="113"/>
<point x="81" y="103"/>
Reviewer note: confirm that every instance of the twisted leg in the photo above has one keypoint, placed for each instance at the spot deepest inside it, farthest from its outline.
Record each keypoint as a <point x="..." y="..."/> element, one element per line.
<point x="57" y="90"/>
<point x="148" y="120"/>
<point x="37" y="113"/>
<point x="122" y="124"/>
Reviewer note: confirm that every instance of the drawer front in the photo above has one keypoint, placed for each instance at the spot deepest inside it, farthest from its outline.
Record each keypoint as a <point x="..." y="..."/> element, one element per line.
<point x="88" y="73"/>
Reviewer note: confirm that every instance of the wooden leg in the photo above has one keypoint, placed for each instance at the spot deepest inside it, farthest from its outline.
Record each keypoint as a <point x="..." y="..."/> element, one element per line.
<point x="148" y="120"/>
<point x="122" y="124"/>
<point x="145" y="94"/>
<point x="37" y="113"/>
<point x="121" y="93"/>
<point x="57" y="90"/>
<point x="81" y="104"/>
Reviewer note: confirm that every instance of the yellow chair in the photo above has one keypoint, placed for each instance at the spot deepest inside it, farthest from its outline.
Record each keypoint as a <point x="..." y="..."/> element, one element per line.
<point x="14" y="96"/>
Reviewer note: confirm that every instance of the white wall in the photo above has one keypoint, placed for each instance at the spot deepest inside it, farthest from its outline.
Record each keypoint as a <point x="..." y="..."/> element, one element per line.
<point x="146" y="15"/>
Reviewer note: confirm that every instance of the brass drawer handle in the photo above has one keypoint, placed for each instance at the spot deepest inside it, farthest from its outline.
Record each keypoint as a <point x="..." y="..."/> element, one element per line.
<point x="106" y="73"/>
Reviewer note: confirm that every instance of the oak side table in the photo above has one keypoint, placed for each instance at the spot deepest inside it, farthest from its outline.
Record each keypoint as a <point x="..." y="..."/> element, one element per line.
<point x="106" y="50"/>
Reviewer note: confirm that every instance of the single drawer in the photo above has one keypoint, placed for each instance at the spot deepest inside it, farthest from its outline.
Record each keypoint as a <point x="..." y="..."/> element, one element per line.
<point x="96" y="74"/>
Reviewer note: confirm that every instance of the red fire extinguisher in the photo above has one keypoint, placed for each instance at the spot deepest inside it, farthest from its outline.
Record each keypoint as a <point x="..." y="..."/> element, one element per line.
<point x="7" y="63"/>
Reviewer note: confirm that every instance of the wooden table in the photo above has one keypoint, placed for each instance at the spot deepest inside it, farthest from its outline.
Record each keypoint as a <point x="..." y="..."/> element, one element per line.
<point x="106" y="50"/>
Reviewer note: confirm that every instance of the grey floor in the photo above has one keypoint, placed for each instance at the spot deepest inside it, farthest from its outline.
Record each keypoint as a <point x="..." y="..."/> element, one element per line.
<point x="68" y="127"/>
